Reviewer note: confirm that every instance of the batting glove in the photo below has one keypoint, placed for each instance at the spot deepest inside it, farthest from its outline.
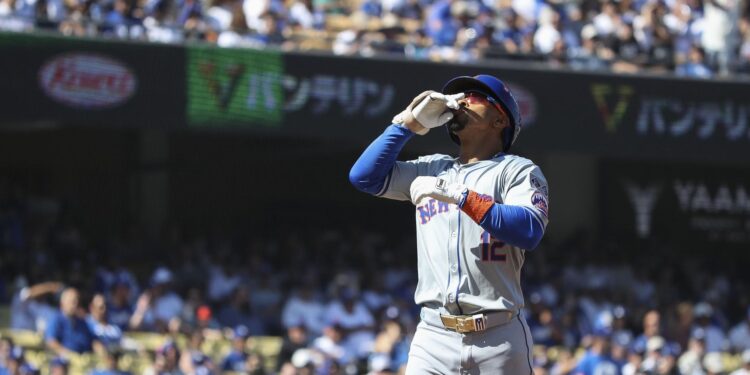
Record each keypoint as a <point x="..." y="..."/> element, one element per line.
<point x="437" y="188"/>
<point x="431" y="109"/>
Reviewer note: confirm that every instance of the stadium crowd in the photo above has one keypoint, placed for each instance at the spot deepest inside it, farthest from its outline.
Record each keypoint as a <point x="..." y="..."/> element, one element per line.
<point x="696" y="38"/>
<point x="342" y="300"/>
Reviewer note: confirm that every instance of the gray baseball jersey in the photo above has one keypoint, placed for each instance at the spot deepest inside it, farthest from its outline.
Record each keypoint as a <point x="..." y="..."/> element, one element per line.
<point x="461" y="267"/>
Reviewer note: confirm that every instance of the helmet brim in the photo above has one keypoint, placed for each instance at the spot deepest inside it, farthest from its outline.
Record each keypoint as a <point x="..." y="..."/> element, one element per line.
<point x="466" y="83"/>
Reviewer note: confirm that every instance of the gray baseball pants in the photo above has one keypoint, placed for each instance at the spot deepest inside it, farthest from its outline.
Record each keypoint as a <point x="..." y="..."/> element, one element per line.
<point x="499" y="350"/>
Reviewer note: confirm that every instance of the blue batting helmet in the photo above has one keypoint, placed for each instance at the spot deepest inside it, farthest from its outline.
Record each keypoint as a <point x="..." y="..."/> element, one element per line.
<point x="496" y="90"/>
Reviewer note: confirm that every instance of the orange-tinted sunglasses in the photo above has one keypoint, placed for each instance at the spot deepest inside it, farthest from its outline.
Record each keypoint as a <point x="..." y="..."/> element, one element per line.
<point x="474" y="97"/>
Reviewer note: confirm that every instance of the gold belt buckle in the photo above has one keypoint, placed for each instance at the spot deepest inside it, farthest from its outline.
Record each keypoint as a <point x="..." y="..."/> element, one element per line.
<point x="464" y="324"/>
<point x="474" y="323"/>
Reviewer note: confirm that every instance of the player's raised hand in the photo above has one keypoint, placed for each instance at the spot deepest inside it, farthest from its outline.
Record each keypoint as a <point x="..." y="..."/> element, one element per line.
<point x="433" y="187"/>
<point x="406" y="117"/>
<point x="428" y="110"/>
<point x="435" y="110"/>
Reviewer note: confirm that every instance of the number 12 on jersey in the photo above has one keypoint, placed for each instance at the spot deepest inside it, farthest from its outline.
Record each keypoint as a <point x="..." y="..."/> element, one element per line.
<point x="491" y="249"/>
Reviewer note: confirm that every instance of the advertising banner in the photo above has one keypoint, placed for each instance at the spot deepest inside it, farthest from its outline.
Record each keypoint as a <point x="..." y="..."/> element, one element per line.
<point x="304" y="95"/>
<point x="102" y="82"/>
<point x="62" y="81"/>
<point x="229" y="87"/>
<point x="691" y="204"/>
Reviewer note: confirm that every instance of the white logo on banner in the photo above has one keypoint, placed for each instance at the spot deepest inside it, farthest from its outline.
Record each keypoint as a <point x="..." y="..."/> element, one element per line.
<point x="643" y="200"/>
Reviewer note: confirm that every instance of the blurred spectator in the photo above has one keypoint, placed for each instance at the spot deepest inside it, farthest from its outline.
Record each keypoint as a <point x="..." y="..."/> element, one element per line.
<point x="255" y="364"/>
<point x="270" y="30"/>
<point x="652" y="329"/>
<point x="303" y="362"/>
<point x="543" y="328"/>
<point x="254" y="10"/>
<point x="303" y="308"/>
<point x="743" y="63"/>
<point x="28" y="311"/>
<point x="224" y="13"/>
<point x="237" y="357"/>
<point x="548" y="34"/>
<point x="237" y="312"/>
<point x="108" y="334"/>
<point x="682" y="325"/>
<point x="193" y="360"/>
<point x="163" y="304"/>
<point x="139" y="313"/>
<point x="295" y="339"/>
<point x="190" y="307"/>
<point x="597" y="359"/>
<point x="691" y="361"/>
<point x="265" y="299"/>
<point x="354" y="320"/>
<point x="607" y="20"/>
<point x="718" y="25"/>
<point x="67" y="332"/>
<point x="59" y="366"/>
<point x="371" y="8"/>
<point x="119" y="308"/>
<point x="159" y="27"/>
<point x="330" y="344"/>
<point x="621" y="333"/>
<point x="198" y="363"/>
<point x="739" y="336"/>
<point x="14" y="363"/>
<point x="629" y="53"/>
<point x="235" y="33"/>
<point x="190" y="15"/>
<point x="391" y="349"/>
<point x="376" y="297"/>
<point x="6" y="350"/>
<point x="303" y="14"/>
<point x="565" y="363"/>
<point x="223" y="281"/>
<point x="695" y="66"/>
<point x="592" y="54"/>
<point x="167" y="361"/>
<point x="658" y="359"/>
<point x="440" y="25"/>
<point x="716" y="341"/>
<point x="408" y="9"/>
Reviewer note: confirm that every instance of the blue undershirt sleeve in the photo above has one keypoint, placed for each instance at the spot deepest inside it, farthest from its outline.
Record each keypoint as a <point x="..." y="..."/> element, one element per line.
<point x="515" y="225"/>
<point x="372" y="168"/>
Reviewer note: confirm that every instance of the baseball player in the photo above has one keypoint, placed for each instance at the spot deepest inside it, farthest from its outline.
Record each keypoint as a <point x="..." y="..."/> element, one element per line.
<point x="476" y="216"/>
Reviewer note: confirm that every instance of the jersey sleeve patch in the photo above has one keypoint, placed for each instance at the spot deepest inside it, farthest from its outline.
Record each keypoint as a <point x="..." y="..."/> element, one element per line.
<point x="539" y="184"/>
<point x="539" y="200"/>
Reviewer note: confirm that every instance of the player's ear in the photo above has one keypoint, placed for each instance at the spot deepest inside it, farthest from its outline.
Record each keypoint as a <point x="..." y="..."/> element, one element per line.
<point x="499" y="122"/>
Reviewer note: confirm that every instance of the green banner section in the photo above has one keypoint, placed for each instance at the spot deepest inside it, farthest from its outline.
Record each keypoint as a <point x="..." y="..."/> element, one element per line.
<point x="234" y="87"/>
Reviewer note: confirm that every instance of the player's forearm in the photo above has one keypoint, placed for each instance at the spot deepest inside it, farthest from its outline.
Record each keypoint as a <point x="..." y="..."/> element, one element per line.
<point x="371" y="169"/>
<point x="514" y="225"/>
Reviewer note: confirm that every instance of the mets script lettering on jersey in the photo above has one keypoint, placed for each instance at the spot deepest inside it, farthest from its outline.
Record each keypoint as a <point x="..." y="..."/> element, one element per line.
<point x="432" y="208"/>
<point x="462" y="267"/>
